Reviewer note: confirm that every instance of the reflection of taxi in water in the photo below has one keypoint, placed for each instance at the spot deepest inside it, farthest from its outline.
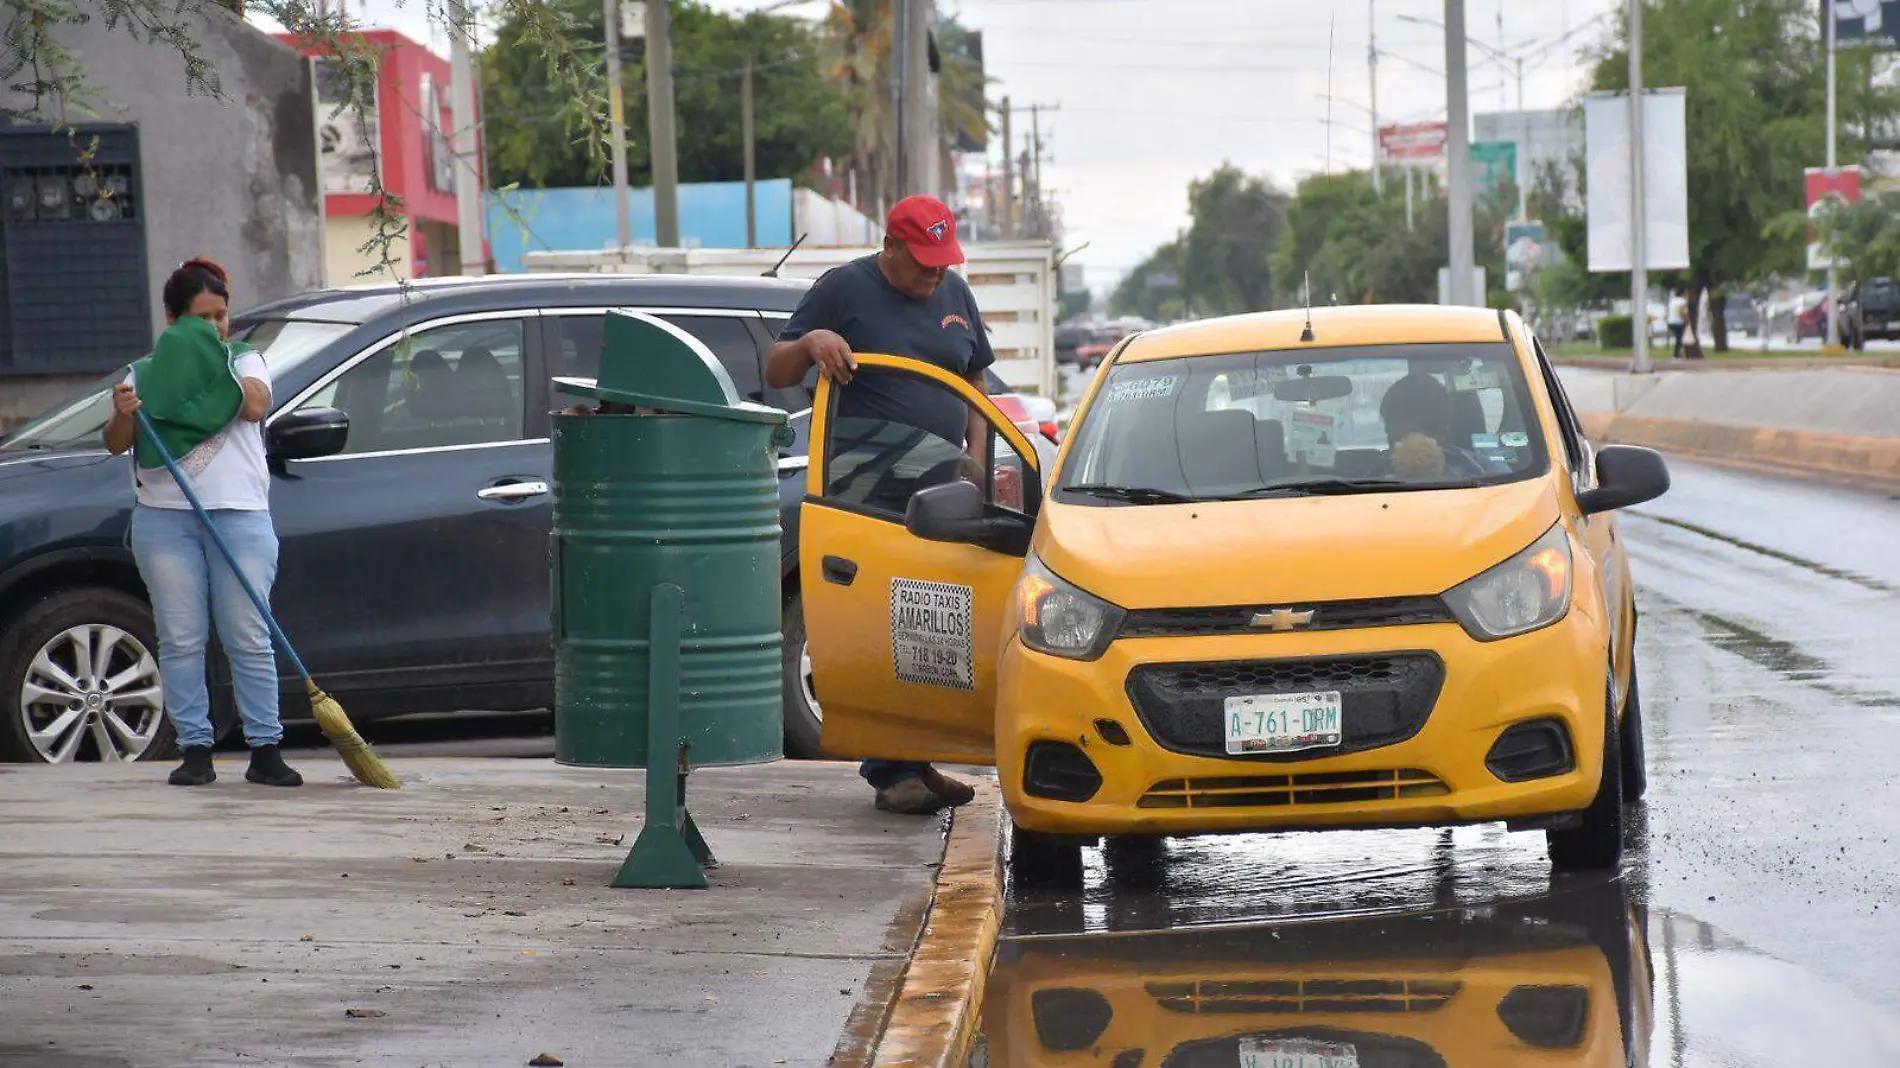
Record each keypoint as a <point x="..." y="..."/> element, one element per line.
<point x="1354" y="573"/>
<point x="1555" y="983"/>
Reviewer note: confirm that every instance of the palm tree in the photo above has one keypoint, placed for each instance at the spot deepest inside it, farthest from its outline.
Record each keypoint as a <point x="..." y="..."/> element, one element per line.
<point x="858" y="53"/>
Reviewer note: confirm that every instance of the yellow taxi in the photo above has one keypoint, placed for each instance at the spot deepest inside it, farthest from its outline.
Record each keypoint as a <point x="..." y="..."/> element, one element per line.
<point x="1549" y="983"/>
<point x="1351" y="567"/>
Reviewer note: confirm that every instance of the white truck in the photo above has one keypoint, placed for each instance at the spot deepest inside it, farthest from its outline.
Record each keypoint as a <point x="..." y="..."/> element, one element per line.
<point x="1015" y="284"/>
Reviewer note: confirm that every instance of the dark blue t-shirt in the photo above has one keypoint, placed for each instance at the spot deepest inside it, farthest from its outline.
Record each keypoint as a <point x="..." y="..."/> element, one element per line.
<point x="857" y="303"/>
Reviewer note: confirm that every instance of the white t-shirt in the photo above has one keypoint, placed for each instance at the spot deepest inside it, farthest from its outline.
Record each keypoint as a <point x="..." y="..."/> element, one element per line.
<point x="236" y="478"/>
<point x="1678" y="311"/>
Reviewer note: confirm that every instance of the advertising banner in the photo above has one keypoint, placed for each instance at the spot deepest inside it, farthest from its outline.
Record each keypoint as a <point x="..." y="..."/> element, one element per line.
<point x="1825" y="190"/>
<point x="1665" y="180"/>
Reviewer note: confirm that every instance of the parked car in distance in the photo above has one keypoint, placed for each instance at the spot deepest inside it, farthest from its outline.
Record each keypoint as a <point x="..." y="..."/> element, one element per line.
<point x="413" y="569"/>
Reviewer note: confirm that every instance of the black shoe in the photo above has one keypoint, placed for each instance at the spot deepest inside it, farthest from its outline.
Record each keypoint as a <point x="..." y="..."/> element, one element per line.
<point x="197" y="769"/>
<point x="268" y="767"/>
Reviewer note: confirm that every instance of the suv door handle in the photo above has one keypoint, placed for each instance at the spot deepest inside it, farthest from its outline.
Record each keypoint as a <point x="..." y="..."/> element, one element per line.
<point x="839" y="570"/>
<point x="512" y="491"/>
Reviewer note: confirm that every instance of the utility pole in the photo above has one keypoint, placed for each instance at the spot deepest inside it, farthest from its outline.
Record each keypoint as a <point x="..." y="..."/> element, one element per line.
<point x="1372" y="83"/>
<point x="1639" y="253"/>
<point x="924" y="162"/>
<point x="660" y="135"/>
<point x="900" y="107"/>
<point x="1408" y="197"/>
<point x="1833" y="294"/>
<point x="1008" y="223"/>
<point x="468" y="174"/>
<point x="751" y="157"/>
<point x="1458" y="159"/>
<point x="623" y="215"/>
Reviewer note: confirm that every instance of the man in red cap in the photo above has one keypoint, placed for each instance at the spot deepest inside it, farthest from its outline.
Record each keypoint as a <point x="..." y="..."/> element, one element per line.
<point x="902" y="301"/>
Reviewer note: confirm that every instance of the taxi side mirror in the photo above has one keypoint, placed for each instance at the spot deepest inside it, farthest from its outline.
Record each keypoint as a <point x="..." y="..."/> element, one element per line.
<point x="956" y="512"/>
<point x="1626" y="476"/>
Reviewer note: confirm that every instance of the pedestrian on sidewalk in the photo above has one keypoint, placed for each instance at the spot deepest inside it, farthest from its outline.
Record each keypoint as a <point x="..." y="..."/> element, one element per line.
<point x="901" y="301"/>
<point x="1678" y="321"/>
<point x="207" y="398"/>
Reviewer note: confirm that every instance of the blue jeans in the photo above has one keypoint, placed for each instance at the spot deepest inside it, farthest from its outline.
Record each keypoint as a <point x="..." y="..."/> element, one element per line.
<point x="884" y="774"/>
<point x="191" y="588"/>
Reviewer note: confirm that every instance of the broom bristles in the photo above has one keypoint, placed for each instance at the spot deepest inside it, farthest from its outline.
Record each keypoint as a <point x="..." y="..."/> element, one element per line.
<point x="357" y="754"/>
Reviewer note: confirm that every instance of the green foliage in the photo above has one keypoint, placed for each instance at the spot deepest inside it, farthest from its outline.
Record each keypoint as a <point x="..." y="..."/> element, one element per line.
<point x="1616" y="332"/>
<point x="539" y="134"/>
<point x="1153" y="289"/>
<point x="1075" y="303"/>
<point x="1865" y="237"/>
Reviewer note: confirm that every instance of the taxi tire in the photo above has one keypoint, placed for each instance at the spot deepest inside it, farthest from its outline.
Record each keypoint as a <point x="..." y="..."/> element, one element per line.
<point x="1635" y="760"/>
<point x="1596" y="844"/>
<point x="804" y="726"/>
<point x="1045" y="860"/>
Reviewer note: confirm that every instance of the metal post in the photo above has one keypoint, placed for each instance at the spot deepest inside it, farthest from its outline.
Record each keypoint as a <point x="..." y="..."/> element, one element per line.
<point x="1639" y="253"/>
<point x="1035" y="146"/>
<point x="1458" y="148"/>
<point x="751" y="157"/>
<point x="623" y="211"/>
<point x="660" y="135"/>
<point x="1009" y="179"/>
<point x="900" y="106"/>
<point x="665" y="855"/>
<point x="1523" y="148"/>
<point x="1833" y="279"/>
<point x="925" y="159"/>
<point x="1372" y="85"/>
<point x="1408" y="198"/>
<point x="468" y="179"/>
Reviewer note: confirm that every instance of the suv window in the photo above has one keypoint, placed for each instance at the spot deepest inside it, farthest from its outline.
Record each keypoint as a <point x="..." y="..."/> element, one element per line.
<point x="458" y="384"/>
<point x="582" y="337"/>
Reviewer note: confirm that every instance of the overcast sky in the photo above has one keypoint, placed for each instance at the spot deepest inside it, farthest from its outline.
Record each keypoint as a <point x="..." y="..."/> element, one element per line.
<point x="1155" y="93"/>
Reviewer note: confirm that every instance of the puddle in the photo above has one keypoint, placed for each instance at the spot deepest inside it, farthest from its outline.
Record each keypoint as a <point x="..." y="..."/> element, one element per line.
<point x="1581" y="975"/>
<point x="1762" y="550"/>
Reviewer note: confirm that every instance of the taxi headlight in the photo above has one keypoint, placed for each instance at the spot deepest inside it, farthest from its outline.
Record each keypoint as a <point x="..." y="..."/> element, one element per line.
<point x="1062" y="620"/>
<point x="1528" y="591"/>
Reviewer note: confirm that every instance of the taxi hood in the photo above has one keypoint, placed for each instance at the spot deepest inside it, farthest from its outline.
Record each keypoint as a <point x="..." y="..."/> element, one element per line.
<point x="1293" y="550"/>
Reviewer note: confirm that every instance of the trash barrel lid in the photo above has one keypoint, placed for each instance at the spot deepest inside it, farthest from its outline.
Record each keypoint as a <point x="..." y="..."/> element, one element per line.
<point x="651" y="363"/>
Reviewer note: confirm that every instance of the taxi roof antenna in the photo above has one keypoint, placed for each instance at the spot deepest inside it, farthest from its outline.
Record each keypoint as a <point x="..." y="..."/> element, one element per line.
<point x="1307" y="284"/>
<point x="773" y="273"/>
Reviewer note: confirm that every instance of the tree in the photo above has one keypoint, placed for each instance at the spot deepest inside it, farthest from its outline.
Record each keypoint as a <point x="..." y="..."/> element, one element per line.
<point x="1153" y="289"/>
<point x="1226" y="253"/>
<point x="1755" y="75"/>
<point x="536" y="134"/>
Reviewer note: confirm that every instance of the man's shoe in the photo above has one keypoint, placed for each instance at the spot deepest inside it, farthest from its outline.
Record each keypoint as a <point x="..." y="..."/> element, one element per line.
<point x="909" y="797"/>
<point x="268" y="767"/>
<point x="197" y="769"/>
<point x="955" y="794"/>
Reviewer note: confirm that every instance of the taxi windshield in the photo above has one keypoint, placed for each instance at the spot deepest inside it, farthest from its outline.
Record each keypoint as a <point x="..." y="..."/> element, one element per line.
<point x="1306" y="422"/>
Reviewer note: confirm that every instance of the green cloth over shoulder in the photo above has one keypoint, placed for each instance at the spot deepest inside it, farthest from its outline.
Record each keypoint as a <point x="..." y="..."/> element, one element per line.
<point x="188" y="387"/>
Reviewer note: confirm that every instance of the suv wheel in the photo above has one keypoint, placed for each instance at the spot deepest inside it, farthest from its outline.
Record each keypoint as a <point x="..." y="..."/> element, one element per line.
<point x="804" y="720"/>
<point x="1596" y="844"/>
<point x="79" y="679"/>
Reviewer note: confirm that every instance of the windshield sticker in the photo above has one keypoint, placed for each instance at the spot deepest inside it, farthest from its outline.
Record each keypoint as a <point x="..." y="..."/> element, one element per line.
<point x="1514" y="439"/>
<point x="1473" y="381"/>
<point x="1142" y="388"/>
<point x="1484" y="441"/>
<point x="932" y="633"/>
<point x="1313" y="436"/>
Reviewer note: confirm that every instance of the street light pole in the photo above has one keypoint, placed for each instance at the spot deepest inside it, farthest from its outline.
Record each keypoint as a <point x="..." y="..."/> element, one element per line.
<point x="1458" y="156"/>
<point x="1372" y="83"/>
<point x="1833" y="300"/>
<point x="1639" y="254"/>
<point x="623" y="218"/>
<point x="462" y="142"/>
<point x="664" y="148"/>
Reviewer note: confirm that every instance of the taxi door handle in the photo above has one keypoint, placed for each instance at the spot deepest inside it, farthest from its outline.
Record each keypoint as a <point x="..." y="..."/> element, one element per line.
<point x="839" y="570"/>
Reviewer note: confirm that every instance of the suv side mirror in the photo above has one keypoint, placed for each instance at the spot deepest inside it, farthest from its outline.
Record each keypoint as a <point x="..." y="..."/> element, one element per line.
<point x="955" y="512"/>
<point x="307" y="434"/>
<point x="1626" y="476"/>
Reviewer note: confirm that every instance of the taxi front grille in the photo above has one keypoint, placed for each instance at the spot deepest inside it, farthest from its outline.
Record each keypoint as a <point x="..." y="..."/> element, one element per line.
<point x="1327" y="615"/>
<point x="1267" y="791"/>
<point x="1383" y="699"/>
<point x="1296" y="996"/>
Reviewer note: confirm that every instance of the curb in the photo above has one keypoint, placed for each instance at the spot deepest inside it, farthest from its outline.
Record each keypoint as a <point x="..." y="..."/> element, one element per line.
<point x="932" y="1014"/>
<point x="1856" y="460"/>
<point x="1791" y="362"/>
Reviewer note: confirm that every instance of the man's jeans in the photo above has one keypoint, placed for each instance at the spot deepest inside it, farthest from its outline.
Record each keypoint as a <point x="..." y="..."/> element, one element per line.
<point x="191" y="587"/>
<point x="884" y="774"/>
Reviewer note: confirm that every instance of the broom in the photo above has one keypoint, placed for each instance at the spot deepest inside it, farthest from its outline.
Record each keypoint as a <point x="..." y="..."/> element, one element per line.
<point x="357" y="755"/>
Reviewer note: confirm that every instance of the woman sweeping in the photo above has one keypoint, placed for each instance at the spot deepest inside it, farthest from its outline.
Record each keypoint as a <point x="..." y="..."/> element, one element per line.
<point x="206" y="398"/>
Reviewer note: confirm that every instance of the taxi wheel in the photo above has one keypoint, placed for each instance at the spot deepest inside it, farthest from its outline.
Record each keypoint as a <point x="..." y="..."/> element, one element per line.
<point x="1050" y="860"/>
<point x="1635" y="763"/>
<point x="1597" y="843"/>
<point x="804" y="721"/>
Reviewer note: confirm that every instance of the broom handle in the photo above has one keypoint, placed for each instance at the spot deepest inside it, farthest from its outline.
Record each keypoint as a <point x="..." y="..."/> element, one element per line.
<point x="263" y="607"/>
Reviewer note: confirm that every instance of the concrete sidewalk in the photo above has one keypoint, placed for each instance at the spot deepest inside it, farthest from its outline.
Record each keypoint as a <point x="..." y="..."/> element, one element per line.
<point x="468" y="917"/>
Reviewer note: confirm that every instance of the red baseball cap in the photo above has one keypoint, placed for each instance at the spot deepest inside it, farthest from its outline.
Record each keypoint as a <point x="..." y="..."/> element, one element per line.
<point x="926" y="226"/>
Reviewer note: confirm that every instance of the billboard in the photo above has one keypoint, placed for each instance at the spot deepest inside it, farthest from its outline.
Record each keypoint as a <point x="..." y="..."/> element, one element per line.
<point x="1875" y="21"/>
<point x="1413" y="142"/>
<point x="1493" y="163"/>
<point x="1526" y="250"/>
<point x="1825" y="190"/>
<point x="346" y="139"/>
<point x="1606" y="123"/>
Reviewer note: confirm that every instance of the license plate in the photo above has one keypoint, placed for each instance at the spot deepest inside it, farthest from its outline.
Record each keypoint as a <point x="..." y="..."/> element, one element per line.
<point x="1282" y="722"/>
<point x="1296" y="1053"/>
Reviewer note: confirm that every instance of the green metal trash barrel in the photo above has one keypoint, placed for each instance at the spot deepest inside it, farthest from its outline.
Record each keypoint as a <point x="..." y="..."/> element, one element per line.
<point x="678" y="500"/>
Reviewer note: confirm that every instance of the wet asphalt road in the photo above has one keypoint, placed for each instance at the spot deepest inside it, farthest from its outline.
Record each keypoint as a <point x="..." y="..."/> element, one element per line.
<point x="1762" y="889"/>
